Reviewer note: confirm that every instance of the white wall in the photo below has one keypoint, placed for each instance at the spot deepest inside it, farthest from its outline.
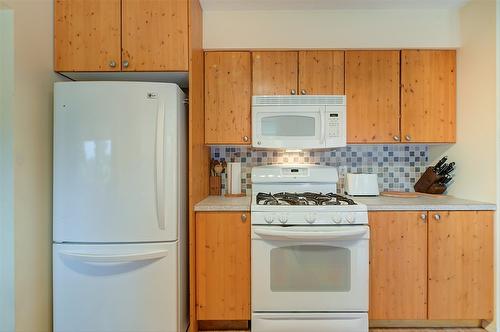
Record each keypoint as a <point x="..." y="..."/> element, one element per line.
<point x="476" y="149"/>
<point x="331" y="29"/>
<point x="32" y="152"/>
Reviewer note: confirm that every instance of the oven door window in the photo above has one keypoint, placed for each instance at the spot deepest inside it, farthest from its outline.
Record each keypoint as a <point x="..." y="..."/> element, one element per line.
<point x="288" y="126"/>
<point x="310" y="268"/>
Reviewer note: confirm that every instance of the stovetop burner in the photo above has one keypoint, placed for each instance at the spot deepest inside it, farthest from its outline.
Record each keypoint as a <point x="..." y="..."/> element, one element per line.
<point x="306" y="198"/>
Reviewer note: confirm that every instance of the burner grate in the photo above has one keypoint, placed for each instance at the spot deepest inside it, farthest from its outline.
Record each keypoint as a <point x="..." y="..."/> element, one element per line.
<point x="306" y="198"/>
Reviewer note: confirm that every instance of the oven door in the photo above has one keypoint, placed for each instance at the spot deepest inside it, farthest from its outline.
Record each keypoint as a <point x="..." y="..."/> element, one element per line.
<point x="288" y="127"/>
<point x="315" y="268"/>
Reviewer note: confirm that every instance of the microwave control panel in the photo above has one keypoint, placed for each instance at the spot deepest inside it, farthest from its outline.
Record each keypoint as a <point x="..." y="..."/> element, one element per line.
<point x="333" y="124"/>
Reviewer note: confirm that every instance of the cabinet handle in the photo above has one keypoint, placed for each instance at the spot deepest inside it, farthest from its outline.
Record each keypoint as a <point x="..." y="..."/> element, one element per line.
<point x="437" y="217"/>
<point x="243" y="217"/>
<point x="125" y="64"/>
<point x="396" y="138"/>
<point x="112" y="63"/>
<point x="423" y="216"/>
<point x="245" y="138"/>
<point x="408" y="137"/>
<point x="303" y="92"/>
<point x="293" y="92"/>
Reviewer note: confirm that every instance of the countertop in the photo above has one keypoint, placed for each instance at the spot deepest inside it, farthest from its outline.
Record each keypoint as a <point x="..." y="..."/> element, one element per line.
<point x="379" y="203"/>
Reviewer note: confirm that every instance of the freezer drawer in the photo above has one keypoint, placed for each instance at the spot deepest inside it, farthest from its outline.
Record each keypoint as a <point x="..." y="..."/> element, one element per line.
<point x="317" y="322"/>
<point x="118" y="288"/>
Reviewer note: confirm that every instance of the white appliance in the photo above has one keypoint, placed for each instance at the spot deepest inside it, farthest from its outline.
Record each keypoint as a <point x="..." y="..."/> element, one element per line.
<point x="310" y="252"/>
<point x="361" y="184"/>
<point x="119" y="227"/>
<point x="298" y="122"/>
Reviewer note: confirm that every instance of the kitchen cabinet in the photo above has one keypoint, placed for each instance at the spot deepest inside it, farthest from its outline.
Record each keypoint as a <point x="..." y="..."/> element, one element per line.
<point x="274" y="73"/>
<point x="227" y="98"/>
<point x="460" y="265"/>
<point x="435" y="265"/>
<point x="223" y="265"/>
<point x="121" y="35"/>
<point x="398" y="265"/>
<point x="372" y="92"/>
<point x="321" y="72"/>
<point x="428" y="96"/>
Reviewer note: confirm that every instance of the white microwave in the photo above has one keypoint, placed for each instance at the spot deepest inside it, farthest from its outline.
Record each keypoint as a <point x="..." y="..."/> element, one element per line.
<point x="298" y="122"/>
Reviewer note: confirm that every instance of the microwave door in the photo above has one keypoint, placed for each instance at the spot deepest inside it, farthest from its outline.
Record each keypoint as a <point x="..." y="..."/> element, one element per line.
<point x="289" y="127"/>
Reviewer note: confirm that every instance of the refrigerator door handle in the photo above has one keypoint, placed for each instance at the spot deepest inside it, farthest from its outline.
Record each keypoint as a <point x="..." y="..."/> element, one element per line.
<point x="159" y="172"/>
<point x="120" y="258"/>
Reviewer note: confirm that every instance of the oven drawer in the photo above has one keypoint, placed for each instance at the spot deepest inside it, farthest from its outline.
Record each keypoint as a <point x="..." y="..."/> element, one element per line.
<point x="317" y="322"/>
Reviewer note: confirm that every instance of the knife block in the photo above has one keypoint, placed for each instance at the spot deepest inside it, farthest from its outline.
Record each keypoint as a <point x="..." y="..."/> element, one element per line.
<point x="215" y="185"/>
<point x="428" y="183"/>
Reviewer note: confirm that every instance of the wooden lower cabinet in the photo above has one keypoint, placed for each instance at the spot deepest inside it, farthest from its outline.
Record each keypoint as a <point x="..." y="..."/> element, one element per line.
<point x="223" y="265"/>
<point x="435" y="265"/>
<point x="460" y="265"/>
<point x="398" y="265"/>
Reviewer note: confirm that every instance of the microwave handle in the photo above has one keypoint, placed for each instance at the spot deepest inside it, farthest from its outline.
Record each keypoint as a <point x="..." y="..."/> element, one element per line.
<point x="322" y="123"/>
<point x="273" y="234"/>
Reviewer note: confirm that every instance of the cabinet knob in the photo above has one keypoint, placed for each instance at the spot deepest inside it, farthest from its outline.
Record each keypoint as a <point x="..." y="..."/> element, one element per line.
<point x="437" y="216"/>
<point x="293" y="92"/>
<point x="125" y="64"/>
<point x="423" y="216"/>
<point x="112" y="63"/>
<point x="245" y="138"/>
<point x="243" y="217"/>
<point x="396" y="138"/>
<point x="408" y="137"/>
<point x="303" y="92"/>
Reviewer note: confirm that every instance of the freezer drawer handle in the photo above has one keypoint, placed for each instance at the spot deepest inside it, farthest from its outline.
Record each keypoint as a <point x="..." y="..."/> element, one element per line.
<point x="274" y="234"/>
<point x="115" y="258"/>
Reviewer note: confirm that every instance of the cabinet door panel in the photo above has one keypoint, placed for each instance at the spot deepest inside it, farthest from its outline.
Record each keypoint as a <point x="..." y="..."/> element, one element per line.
<point x="398" y="265"/>
<point x="461" y="265"/>
<point x="87" y="35"/>
<point x="372" y="89"/>
<point x="428" y="96"/>
<point x="155" y="35"/>
<point x="274" y="73"/>
<point x="227" y="98"/>
<point x="321" y="72"/>
<point x="223" y="266"/>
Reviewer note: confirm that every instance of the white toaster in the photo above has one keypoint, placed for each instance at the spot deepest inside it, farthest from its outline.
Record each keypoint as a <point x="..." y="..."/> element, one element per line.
<point x="361" y="184"/>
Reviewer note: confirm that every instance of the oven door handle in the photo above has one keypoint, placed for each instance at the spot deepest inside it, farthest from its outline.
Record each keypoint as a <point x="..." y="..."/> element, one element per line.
<point x="345" y="234"/>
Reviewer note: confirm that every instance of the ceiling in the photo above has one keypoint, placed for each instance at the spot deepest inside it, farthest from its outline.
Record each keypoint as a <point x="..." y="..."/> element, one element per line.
<point x="328" y="4"/>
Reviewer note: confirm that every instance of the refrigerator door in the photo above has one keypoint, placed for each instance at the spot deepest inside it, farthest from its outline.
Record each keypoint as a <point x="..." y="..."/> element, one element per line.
<point x="118" y="288"/>
<point x="115" y="161"/>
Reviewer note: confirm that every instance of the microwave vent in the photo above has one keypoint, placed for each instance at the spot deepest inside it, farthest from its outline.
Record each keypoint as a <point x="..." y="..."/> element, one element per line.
<point x="334" y="100"/>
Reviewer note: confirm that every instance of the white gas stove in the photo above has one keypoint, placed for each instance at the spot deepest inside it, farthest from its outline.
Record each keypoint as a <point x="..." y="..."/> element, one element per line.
<point x="309" y="252"/>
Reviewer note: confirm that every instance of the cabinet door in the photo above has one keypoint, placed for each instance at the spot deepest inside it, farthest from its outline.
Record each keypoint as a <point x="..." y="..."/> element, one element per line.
<point x="87" y="35"/>
<point x="461" y="265"/>
<point x="321" y="72"/>
<point x="428" y="96"/>
<point x="274" y="73"/>
<point x="227" y="98"/>
<point x="398" y="265"/>
<point x="372" y="89"/>
<point x="155" y="35"/>
<point x="223" y="265"/>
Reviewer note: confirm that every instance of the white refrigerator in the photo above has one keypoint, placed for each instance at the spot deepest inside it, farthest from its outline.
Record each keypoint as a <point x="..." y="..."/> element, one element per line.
<point x="120" y="193"/>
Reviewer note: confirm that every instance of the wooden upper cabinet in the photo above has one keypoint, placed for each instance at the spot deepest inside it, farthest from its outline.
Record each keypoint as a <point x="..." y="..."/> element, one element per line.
<point x="155" y="35"/>
<point x="274" y="73"/>
<point x="398" y="265"/>
<point x="461" y="265"/>
<point x="87" y="35"/>
<point x="223" y="265"/>
<point x="227" y="97"/>
<point x="372" y="91"/>
<point x="428" y="96"/>
<point x="321" y="72"/>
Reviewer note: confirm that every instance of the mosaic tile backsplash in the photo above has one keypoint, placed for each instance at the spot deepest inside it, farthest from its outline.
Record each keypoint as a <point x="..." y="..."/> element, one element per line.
<point x="398" y="166"/>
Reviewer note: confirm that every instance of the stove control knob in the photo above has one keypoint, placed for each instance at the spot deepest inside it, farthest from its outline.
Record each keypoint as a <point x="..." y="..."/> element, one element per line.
<point x="269" y="219"/>
<point x="283" y="219"/>
<point x="350" y="218"/>
<point x="337" y="220"/>
<point x="310" y="218"/>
